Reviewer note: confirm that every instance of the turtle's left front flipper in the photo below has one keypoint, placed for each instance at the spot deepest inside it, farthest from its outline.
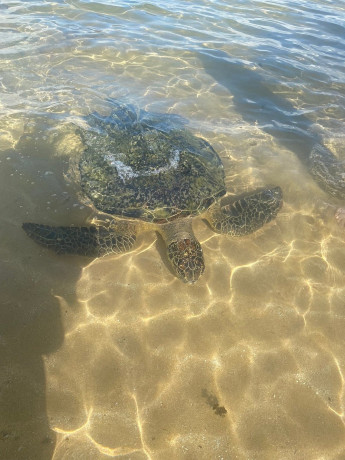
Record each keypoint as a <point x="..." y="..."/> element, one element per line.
<point x="93" y="241"/>
<point x="247" y="214"/>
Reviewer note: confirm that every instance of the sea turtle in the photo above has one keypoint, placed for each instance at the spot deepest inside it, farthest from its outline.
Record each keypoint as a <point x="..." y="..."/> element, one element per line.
<point x="329" y="172"/>
<point x="146" y="171"/>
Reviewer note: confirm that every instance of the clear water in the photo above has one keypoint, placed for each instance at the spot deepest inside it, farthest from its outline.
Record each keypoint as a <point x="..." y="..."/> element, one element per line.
<point x="115" y="358"/>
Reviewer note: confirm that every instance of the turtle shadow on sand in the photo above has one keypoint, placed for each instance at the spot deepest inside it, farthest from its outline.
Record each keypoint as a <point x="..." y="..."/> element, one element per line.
<point x="278" y="117"/>
<point x="144" y="172"/>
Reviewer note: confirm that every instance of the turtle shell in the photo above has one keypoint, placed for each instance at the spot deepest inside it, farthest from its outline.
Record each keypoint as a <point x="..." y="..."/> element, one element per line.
<point x="147" y="166"/>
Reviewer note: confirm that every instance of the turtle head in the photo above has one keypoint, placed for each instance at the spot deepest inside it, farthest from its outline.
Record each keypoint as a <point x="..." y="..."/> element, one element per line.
<point x="272" y="199"/>
<point x="186" y="257"/>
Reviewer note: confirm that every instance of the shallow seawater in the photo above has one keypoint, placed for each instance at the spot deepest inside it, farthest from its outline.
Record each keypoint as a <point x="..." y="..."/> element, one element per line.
<point x="115" y="357"/>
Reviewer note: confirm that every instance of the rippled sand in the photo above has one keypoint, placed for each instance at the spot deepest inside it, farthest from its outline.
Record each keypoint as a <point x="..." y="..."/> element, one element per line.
<point x="248" y="363"/>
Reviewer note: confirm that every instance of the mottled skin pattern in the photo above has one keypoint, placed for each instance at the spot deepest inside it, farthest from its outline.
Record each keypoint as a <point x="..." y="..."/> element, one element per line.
<point x="93" y="241"/>
<point x="136" y="166"/>
<point x="328" y="171"/>
<point x="246" y="215"/>
<point x="187" y="258"/>
<point x="183" y="249"/>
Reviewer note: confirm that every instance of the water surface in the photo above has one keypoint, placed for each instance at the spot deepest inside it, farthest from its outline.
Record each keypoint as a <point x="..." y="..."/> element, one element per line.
<point x="116" y="358"/>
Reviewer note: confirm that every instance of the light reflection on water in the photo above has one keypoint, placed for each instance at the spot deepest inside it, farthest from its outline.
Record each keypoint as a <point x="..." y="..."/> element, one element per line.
<point x="136" y="364"/>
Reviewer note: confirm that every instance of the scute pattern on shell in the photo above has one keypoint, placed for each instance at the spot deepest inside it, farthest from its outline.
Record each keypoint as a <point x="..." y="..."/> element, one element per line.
<point x="328" y="171"/>
<point x="139" y="166"/>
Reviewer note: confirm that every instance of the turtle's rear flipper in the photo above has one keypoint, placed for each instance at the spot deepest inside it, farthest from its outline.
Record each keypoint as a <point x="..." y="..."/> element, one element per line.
<point x="247" y="214"/>
<point x="93" y="241"/>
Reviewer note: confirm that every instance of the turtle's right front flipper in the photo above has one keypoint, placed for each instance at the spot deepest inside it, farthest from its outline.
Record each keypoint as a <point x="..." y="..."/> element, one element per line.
<point x="246" y="214"/>
<point x="93" y="241"/>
